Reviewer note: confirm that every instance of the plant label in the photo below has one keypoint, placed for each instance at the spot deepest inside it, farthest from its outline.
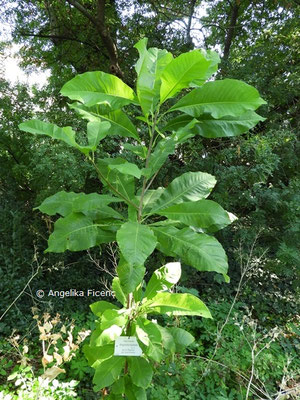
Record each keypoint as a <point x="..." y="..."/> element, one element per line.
<point x="127" y="346"/>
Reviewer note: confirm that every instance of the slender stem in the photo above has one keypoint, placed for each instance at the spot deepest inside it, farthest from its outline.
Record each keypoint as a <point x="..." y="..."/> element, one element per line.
<point x="152" y="179"/>
<point x="111" y="186"/>
<point x="144" y="187"/>
<point x="252" y="373"/>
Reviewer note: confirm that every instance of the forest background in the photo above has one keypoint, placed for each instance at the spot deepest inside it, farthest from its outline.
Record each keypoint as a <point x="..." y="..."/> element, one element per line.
<point x="253" y="340"/>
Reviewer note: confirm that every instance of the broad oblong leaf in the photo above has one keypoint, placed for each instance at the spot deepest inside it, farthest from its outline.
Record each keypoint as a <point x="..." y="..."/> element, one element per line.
<point x="65" y="203"/>
<point x="130" y="276"/>
<point x="78" y="232"/>
<point x="95" y="354"/>
<point x="108" y="371"/>
<point x="134" y="392"/>
<point x="99" y="87"/>
<point x="96" y="131"/>
<point x="226" y="126"/>
<point x="123" y="184"/>
<point x="163" y="278"/>
<point x="209" y="127"/>
<point x="214" y="59"/>
<point x="162" y="150"/>
<point x="136" y="242"/>
<point x="120" y="295"/>
<point x="95" y="203"/>
<point x="168" y="342"/>
<point x="140" y="371"/>
<point x="182" y="338"/>
<point x="149" y="68"/>
<point x="127" y="168"/>
<point x="60" y="203"/>
<point x="112" y="317"/>
<point x="181" y="71"/>
<point x="65" y="134"/>
<point x="205" y="214"/>
<point x="150" y="198"/>
<point x="150" y="335"/>
<point x="219" y="99"/>
<point x="101" y="337"/>
<point x="139" y="150"/>
<point x="191" y="186"/>
<point x="120" y="124"/>
<point x="199" y="250"/>
<point x="177" y="304"/>
<point x="153" y="334"/>
<point x="99" y="307"/>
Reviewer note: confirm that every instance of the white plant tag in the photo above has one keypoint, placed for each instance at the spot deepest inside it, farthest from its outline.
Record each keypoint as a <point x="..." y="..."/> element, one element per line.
<point x="127" y="346"/>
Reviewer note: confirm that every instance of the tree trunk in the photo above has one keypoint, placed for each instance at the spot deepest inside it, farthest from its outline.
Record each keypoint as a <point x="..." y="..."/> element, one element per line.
<point x="231" y="28"/>
<point x="99" y="22"/>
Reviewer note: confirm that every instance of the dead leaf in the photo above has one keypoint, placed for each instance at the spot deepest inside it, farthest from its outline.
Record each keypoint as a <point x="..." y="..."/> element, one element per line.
<point x="58" y="358"/>
<point x="52" y="373"/>
<point x="46" y="359"/>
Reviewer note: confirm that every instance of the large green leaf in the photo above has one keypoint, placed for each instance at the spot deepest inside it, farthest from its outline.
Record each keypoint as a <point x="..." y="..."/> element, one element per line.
<point x="118" y="290"/>
<point x="96" y="131"/>
<point x="191" y="186"/>
<point x="123" y="184"/>
<point x="177" y="304"/>
<point x="181" y="71"/>
<point x="139" y="150"/>
<point x="60" y="203"/>
<point x="199" y="250"/>
<point x="158" y="157"/>
<point x="112" y="317"/>
<point x="150" y="335"/>
<point x="150" y="198"/>
<point x="136" y="242"/>
<point x="163" y="278"/>
<point x="65" y="134"/>
<point x="108" y="371"/>
<point x="185" y="132"/>
<point x="120" y="124"/>
<point x="78" y="232"/>
<point x="209" y="127"/>
<point x="182" y="338"/>
<point x="127" y="168"/>
<point x="214" y="59"/>
<point x="99" y="87"/>
<point x="130" y="276"/>
<point x="205" y="214"/>
<point x="95" y="353"/>
<point x="220" y="98"/>
<point x="118" y="388"/>
<point x="101" y="337"/>
<point x="140" y="371"/>
<point x="99" y="307"/>
<point x="95" y="205"/>
<point x="147" y="331"/>
<point x="167" y="339"/>
<point x="64" y="203"/>
<point x="149" y="68"/>
<point x="134" y="392"/>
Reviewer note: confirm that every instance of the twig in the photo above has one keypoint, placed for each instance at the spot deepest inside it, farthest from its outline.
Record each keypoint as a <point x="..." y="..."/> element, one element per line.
<point x="27" y="284"/>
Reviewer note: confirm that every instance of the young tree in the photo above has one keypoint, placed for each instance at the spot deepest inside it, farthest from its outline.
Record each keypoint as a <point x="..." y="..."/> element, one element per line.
<point x="177" y="220"/>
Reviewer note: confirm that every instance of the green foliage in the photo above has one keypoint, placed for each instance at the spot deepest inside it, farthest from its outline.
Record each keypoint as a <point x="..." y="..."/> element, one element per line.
<point x="88" y="221"/>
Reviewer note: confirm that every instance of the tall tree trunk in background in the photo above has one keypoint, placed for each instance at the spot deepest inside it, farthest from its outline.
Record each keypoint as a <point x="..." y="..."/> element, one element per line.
<point x="230" y="31"/>
<point x="189" y="39"/>
<point x="99" y="22"/>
